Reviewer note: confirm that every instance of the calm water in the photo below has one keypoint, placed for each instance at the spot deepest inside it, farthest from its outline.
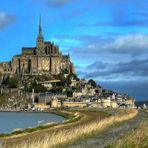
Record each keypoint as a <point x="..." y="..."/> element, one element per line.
<point x="13" y="120"/>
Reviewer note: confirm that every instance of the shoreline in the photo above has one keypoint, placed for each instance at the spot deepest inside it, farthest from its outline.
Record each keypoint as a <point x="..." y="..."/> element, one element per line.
<point x="48" y="111"/>
<point x="67" y="117"/>
<point x="91" y="122"/>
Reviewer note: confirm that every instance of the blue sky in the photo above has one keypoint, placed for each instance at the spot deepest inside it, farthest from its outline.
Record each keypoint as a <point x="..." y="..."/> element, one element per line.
<point x="107" y="39"/>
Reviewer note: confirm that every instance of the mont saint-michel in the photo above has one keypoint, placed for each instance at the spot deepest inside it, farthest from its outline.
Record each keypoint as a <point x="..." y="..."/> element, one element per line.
<point x="45" y="58"/>
<point x="42" y="79"/>
<point x="73" y="73"/>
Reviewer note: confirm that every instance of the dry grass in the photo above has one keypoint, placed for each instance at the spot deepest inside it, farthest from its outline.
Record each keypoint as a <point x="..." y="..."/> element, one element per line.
<point x="138" y="138"/>
<point x="91" y="123"/>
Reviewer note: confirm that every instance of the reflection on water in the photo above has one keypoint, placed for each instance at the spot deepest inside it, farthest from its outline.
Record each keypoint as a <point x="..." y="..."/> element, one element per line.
<point x="13" y="120"/>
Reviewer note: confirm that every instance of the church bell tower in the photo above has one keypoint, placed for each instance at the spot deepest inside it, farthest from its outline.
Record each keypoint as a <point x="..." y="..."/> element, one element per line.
<point x="40" y="40"/>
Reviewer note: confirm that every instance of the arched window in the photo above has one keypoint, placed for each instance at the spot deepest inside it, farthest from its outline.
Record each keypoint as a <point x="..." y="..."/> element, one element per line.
<point x="46" y="50"/>
<point x="29" y="65"/>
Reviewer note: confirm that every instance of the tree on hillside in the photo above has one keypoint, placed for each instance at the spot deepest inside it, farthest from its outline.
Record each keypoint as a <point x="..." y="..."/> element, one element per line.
<point x="11" y="82"/>
<point x="37" y="87"/>
<point x="65" y="81"/>
<point x="75" y="77"/>
<point x="57" y="90"/>
<point x="92" y="83"/>
<point x="69" y="93"/>
<point x="68" y="80"/>
<point x="65" y="71"/>
<point x="61" y="77"/>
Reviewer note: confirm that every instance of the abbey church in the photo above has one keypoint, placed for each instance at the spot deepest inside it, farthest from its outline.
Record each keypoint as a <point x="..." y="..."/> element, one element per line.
<point x="45" y="58"/>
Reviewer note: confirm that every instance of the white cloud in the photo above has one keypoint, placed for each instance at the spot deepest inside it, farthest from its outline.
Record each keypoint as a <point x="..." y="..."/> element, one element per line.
<point x="125" y="45"/>
<point x="6" y="19"/>
<point x="133" y="43"/>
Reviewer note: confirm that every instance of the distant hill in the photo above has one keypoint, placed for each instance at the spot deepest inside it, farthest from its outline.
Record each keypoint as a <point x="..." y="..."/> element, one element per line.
<point x="140" y="103"/>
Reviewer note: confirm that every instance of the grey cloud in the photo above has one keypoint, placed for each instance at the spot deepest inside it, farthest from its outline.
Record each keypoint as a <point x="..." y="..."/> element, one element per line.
<point x="117" y="23"/>
<point x="136" y="88"/>
<point x="130" y="44"/>
<point x="135" y="67"/>
<point x="57" y="3"/>
<point x="97" y="65"/>
<point x="123" y="13"/>
<point x="130" y="78"/>
<point x="132" y="69"/>
<point x="135" y="85"/>
<point x="6" y="19"/>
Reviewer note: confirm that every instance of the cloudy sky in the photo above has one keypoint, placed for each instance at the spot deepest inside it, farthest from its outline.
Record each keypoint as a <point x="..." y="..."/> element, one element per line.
<point x="107" y="39"/>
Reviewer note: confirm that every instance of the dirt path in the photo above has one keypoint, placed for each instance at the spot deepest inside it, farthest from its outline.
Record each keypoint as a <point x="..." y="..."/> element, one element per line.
<point x="100" y="141"/>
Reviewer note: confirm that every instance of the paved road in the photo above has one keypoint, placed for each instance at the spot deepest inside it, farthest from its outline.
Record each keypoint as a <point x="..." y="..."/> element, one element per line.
<point x="100" y="141"/>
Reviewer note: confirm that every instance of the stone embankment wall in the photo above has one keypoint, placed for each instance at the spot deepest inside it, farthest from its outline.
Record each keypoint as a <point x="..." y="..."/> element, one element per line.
<point x="105" y="103"/>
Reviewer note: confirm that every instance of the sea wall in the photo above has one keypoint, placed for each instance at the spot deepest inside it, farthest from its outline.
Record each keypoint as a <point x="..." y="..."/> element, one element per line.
<point x="104" y="104"/>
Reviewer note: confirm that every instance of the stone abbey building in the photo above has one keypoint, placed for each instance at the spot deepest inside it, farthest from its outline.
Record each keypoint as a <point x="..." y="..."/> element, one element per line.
<point x="45" y="58"/>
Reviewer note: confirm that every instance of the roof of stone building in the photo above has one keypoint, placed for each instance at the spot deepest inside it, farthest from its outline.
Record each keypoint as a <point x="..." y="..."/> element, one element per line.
<point x="48" y="42"/>
<point x="28" y="48"/>
<point x="17" y="55"/>
<point x="65" y="56"/>
<point x="4" y="62"/>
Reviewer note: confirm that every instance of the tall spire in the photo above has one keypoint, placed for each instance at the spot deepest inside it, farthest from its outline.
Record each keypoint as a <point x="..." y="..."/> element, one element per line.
<point x="40" y="40"/>
<point x="40" y="29"/>
<point x="40" y="25"/>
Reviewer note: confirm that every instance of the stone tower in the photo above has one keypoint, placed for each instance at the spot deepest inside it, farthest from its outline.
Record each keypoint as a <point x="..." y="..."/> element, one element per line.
<point x="40" y="45"/>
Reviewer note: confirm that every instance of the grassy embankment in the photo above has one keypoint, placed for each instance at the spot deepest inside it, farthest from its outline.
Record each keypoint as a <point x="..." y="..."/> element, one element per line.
<point x="138" y="138"/>
<point x="90" y="123"/>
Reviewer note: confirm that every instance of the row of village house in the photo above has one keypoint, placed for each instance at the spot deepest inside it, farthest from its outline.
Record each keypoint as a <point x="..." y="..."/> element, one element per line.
<point x="87" y="96"/>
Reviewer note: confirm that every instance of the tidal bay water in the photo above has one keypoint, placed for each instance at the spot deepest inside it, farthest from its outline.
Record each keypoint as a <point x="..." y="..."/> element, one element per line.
<point x="14" y="120"/>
